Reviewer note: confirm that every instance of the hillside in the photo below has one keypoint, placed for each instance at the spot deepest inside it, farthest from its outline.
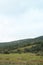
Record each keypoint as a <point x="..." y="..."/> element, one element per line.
<point x="23" y="46"/>
<point x="23" y="41"/>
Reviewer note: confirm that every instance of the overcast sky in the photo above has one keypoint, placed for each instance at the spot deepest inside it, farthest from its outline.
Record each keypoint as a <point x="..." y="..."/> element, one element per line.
<point x="20" y="19"/>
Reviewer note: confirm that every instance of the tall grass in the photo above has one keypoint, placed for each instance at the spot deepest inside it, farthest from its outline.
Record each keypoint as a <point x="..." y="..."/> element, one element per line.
<point x="21" y="59"/>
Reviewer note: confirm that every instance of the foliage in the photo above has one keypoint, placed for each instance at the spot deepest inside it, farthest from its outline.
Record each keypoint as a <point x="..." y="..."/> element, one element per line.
<point x="29" y="45"/>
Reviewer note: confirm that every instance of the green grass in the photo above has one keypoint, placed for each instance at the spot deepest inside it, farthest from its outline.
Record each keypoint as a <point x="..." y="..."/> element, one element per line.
<point x="21" y="59"/>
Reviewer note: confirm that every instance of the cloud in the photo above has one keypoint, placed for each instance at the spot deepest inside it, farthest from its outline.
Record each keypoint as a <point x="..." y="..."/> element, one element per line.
<point x="20" y="19"/>
<point x="14" y="7"/>
<point x="29" y="24"/>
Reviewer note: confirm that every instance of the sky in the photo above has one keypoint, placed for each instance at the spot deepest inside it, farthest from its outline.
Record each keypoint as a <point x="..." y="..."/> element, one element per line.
<point x="20" y="19"/>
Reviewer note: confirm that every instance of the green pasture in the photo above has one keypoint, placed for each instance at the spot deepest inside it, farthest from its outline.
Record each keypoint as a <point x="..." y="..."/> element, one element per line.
<point x="21" y="59"/>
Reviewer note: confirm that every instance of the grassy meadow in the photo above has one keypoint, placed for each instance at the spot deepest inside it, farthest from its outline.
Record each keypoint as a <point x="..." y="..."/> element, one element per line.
<point x="21" y="59"/>
<point x="22" y="52"/>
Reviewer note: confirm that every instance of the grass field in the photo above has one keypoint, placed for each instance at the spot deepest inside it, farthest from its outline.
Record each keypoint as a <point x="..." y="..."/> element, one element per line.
<point x="21" y="59"/>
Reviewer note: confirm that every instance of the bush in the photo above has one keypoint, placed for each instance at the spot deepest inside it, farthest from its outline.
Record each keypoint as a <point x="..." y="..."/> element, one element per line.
<point x="19" y="51"/>
<point x="26" y="50"/>
<point x="6" y="52"/>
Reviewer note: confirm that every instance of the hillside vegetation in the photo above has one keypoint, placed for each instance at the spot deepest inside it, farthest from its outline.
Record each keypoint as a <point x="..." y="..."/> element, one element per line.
<point x="22" y="52"/>
<point x="23" y="46"/>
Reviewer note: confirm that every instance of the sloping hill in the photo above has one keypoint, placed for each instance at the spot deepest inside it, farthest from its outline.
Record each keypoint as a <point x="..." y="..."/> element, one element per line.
<point x="27" y="45"/>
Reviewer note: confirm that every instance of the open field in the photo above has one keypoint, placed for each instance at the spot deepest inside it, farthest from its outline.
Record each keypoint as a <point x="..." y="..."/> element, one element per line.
<point x="22" y="52"/>
<point x="21" y="59"/>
